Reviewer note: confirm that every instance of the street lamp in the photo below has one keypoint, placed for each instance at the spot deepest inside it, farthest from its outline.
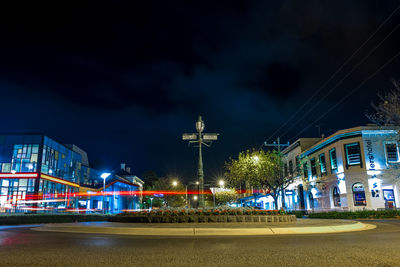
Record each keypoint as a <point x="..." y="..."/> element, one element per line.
<point x="256" y="158"/>
<point x="151" y="203"/>
<point x="198" y="191"/>
<point x="174" y="184"/>
<point x="221" y="183"/>
<point x="200" y="139"/>
<point x="104" y="176"/>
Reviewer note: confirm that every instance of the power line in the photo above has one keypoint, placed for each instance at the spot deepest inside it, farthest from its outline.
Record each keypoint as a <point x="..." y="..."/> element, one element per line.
<point x="347" y="95"/>
<point x="344" y="78"/>
<point x="334" y="74"/>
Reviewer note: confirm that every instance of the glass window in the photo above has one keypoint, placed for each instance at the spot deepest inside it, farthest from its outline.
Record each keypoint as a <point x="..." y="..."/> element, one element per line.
<point x="313" y="168"/>
<point x="6" y="167"/>
<point x="4" y="191"/>
<point x="305" y="170"/>
<point x="332" y="155"/>
<point x="322" y="163"/>
<point x="23" y="182"/>
<point x="359" y="195"/>
<point x="353" y="154"/>
<point x="298" y="165"/>
<point x="285" y="169"/>
<point x="391" y="153"/>
<point x="5" y="182"/>
<point x="291" y="167"/>
<point x="336" y="197"/>
<point x="35" y="149"/>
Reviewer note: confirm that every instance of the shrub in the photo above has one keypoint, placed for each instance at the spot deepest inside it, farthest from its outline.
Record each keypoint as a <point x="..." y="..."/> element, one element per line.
<point x="362" y="214"/>
<point x="298" y="213"/>
<point x="220" y="214"/>
<point x="50" y="218"/>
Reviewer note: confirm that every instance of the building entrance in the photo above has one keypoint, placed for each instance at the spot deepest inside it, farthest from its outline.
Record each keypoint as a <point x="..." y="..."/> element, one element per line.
<point x="388" y="195"/>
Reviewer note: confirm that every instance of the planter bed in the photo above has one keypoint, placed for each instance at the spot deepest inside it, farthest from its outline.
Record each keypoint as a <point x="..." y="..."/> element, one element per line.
<point x="204" y="219"/>
<point x="49" y="218"/>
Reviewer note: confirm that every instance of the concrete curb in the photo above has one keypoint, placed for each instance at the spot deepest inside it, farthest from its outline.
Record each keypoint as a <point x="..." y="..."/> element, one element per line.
<point x="190" y="231"/>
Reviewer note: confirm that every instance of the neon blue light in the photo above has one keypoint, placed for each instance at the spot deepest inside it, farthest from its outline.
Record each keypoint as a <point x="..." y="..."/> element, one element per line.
<point x="329" y="141"/>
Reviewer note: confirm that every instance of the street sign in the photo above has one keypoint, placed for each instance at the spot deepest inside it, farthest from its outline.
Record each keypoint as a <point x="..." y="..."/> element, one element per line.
<point x="212" y="136"/>
<point x="200" y="140"/>
<point x="191" y="136"/>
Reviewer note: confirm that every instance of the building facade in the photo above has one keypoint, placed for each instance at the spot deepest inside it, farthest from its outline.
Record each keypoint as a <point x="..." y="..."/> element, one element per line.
<point x="40" y="174"/>
<point x="294" y="193"/>
<point x="352" y="169"/>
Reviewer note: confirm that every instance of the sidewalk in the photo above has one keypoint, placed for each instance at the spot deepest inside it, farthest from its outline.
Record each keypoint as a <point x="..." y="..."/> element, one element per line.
<point x="302" y="226"/>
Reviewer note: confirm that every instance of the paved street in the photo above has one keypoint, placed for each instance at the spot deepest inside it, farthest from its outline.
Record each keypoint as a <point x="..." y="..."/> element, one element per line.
<point x="378" y="247"/>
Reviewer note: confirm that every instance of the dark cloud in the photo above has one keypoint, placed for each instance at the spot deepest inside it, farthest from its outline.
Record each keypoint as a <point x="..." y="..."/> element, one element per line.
<point x="124" y="79"/>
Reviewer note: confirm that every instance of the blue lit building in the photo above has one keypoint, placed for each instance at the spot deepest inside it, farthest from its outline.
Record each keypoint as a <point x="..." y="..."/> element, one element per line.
<point x="40" y="174"/>
<point x="123" y="192"/>
<point x="353" y="169"/>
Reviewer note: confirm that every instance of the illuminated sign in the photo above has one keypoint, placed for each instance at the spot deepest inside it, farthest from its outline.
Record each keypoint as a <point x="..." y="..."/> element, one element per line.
<point x="210" y="136"/>
<point x="374" y="183"/>
<point x="370" y="155"/>
<point x="191" y="136"/>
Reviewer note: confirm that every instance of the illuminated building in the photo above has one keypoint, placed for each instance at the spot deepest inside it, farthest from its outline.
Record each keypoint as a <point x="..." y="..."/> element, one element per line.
<point x="294" y="192"/>
<point x="40" y="174"/>
<point x="352" y="169"/>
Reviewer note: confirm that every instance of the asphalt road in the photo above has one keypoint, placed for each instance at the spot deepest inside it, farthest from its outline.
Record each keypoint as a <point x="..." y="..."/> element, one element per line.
<point x="377" y="247"/>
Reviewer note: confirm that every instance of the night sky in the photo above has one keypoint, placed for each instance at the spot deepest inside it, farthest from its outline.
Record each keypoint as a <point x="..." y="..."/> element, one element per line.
<point x="124" y="80"/>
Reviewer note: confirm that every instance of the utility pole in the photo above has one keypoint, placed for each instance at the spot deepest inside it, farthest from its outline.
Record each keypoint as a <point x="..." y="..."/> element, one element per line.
<point x="318" y="126"/>
<point x="199" y="139"/>
<point x="278" y="146"/>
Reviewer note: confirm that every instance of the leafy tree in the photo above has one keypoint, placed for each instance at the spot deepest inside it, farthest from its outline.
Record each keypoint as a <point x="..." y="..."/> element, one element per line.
<point x="225" y="196"/>
<point x="170" y="200"/>
<point x="149" y="178"/>
<point x="260" y="169"/>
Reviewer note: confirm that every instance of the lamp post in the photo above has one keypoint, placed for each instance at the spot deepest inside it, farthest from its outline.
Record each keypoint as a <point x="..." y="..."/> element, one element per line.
<point x="174" y="184"/>
<point x="198" y="191"/>
<point x="104" y="176"/>
<point x="187" y="205"/>
<point x="151" y="203"/>
<point x="200" y="139"/>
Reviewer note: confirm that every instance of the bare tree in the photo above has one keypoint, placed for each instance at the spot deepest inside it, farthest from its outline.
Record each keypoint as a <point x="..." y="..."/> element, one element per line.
<point x="387" y="111"/>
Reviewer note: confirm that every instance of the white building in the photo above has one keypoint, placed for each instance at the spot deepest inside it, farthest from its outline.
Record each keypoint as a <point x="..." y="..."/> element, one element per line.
<point x="352" y="169"/>
<point x="356" y="168"/>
